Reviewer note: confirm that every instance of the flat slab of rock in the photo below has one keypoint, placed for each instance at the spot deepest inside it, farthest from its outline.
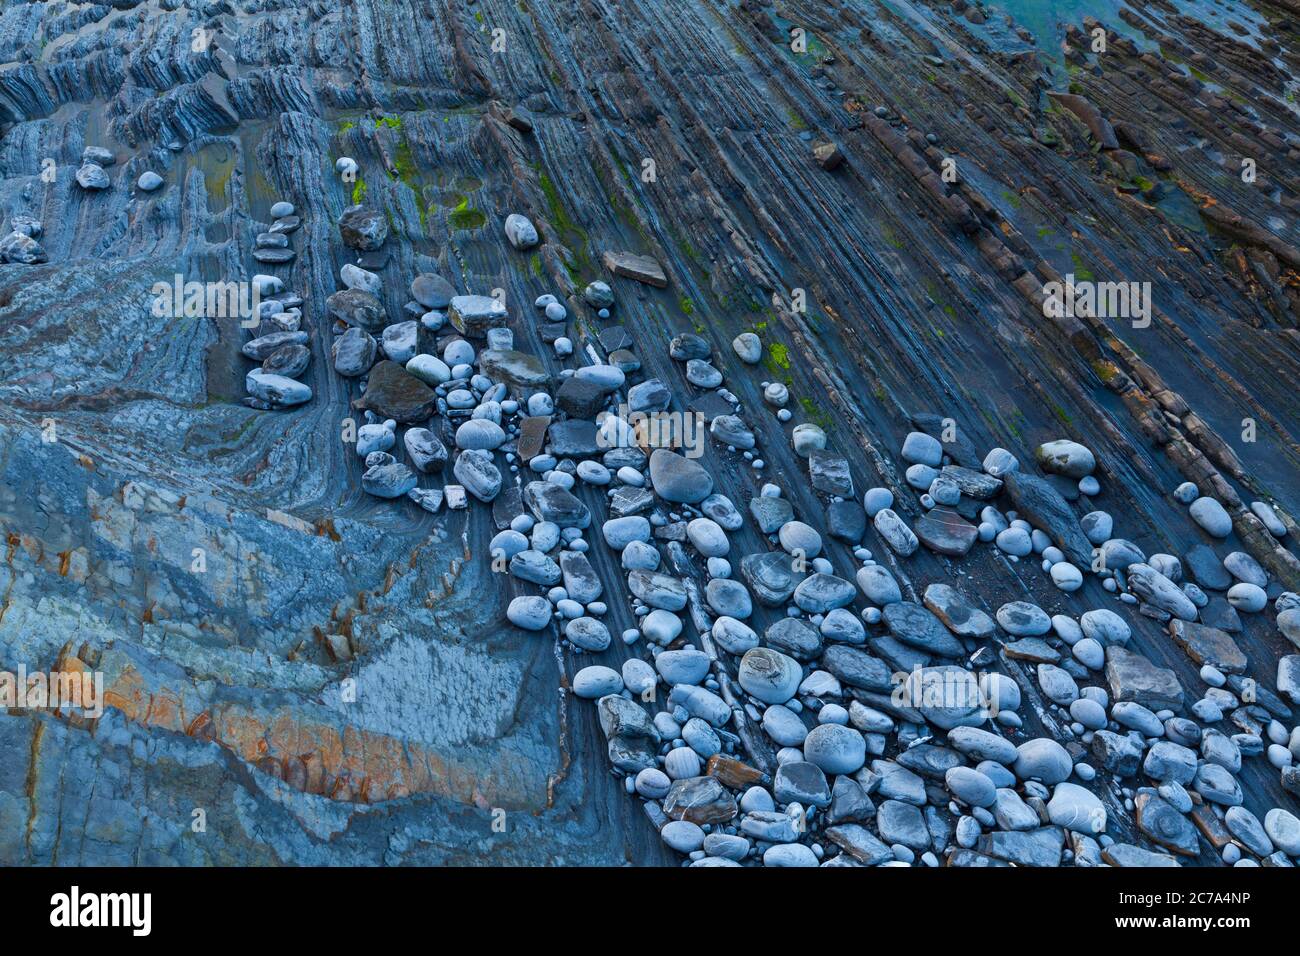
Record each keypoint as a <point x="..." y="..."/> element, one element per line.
<point x="829" y="472"/>
<point x="473" y="315"/>
<point x="846" y="520"/>
<point x="710" y="405"/>
<point x="860" y="843"/>
<point x="574" y="438"/>
<point x="517" y="369"/>
<point x="1041" y="847"/>
<point x="1132" y="677"/>
<point x="393" y="392"/>
<point x="857" y="668"/>
<point x="699" y="800"/>
<point x="532" y="436"/>
<point x="1208" y="645"/>
<point x="580" y="578"/>
<point x="629" y="265"/>
<point x="902" y="657"/>
<point x="549" y="502"/>
<point x="1126" y="854"/>
<point x="1206" y="568"/>
<point x="770" y="513"/>
<point x="507" y="506"/>
<point x="658" y="590"/>
<point x="912" y="624"/>
<point x="628" y="500"/>
<point x="973" y="484"/>
<point x="943" y="530"/>
<point x="1032" y="649"/>
<point x="957" y="614"/>
<point x="1163" y="824"/>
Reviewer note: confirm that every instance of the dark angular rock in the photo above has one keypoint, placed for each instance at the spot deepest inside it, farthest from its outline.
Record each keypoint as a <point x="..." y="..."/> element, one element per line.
<point x="1132" y="677"/>
<point x="1208" y="645"/>
<point x="549" y="502"/>
<point x="857" y="668"/>
<point x="912" y="624"/>
<point x="699" y="800"/>
<point x="581" y="397"/>
<point x="849" y="802"/>
<point x="532" y="436"/>
<point x="574" y="438"/>
<point x="1043" y="506"/>
<point x="392" y="392"/>
<point x="770" y="513"/>
<point x="973" y="483"/>
<point x="801" y="782"/>
<point x="358" y="308"/>
<point x="363" y="228"/>
<point x="1041" y="847"/>
<point x="943" y="530"/>
<point x="829" y="472"/>
<point x="1117" y="753"/>
<point x="846" y="520"/>
<point x="641" y="268"/>
<point x="1206" y="568"/>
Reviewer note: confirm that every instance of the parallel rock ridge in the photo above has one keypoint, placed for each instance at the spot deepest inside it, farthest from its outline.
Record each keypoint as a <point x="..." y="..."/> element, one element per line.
<point x="878" y="424"/>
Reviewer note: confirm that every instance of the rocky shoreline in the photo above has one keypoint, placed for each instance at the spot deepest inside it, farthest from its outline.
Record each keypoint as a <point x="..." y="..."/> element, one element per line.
<point x="838" y="545"/>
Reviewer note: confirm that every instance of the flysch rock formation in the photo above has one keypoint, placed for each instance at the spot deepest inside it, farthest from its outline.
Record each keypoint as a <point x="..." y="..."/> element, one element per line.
<point x="637" y="428"/>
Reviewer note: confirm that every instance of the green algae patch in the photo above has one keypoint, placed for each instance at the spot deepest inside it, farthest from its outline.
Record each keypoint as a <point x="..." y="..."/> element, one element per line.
<point x="815" y="413"/>
<point x="778" y="357"/>
<point x="464" y="217"/>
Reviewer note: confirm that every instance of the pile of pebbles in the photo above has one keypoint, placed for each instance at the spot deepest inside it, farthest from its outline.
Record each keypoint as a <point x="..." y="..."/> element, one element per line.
<point x="862" y="725"/>
<point x="277" y="338"/>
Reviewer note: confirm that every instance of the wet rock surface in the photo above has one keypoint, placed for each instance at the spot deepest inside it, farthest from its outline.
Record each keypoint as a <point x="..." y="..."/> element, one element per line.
<point x="334" y="553"/>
